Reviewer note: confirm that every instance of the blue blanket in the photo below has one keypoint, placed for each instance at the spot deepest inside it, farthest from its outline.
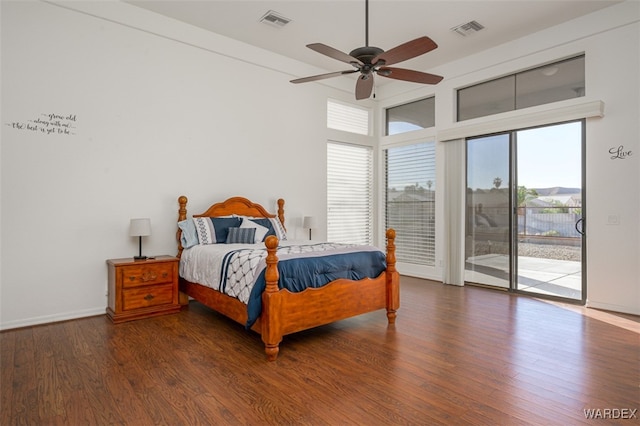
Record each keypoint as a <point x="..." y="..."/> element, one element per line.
<point x="297" y="274"/>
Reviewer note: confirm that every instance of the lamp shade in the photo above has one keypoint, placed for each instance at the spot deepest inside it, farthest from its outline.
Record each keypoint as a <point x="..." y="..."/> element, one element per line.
<point x="308" y="222"/>
<point x="140" y="227"/>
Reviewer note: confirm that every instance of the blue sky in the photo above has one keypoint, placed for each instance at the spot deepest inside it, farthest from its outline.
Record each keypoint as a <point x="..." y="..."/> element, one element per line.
<point x="547" y="157"/>
<point x="550" y="156"/>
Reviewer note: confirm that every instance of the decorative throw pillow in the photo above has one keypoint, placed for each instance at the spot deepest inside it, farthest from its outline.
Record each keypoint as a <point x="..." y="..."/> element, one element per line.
<point x="221" y="227"/>
<point x="241" y="235"/>
<point x="266" y="222"/>
<point x="204" y="230"/>
<point x="261" y="231"/>
<point x="189" y="237"/>
<point x="279" y="228"/>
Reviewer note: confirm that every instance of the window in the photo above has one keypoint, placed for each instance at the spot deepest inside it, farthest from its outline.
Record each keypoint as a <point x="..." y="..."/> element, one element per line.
<point x="410" y="201"/>
<point x="348" y="118"/>
<point x="349" y="193"/>
<point x="412" y="116"/>
<point x="542" y="85"/>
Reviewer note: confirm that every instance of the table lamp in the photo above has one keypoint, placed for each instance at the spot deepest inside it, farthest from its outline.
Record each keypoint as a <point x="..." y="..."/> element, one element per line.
<point x="140" y="228"/>
<point x="309" y="222"/>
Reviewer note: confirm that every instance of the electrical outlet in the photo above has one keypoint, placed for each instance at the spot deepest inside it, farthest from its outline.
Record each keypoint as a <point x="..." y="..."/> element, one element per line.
<point x="613" y="219"/>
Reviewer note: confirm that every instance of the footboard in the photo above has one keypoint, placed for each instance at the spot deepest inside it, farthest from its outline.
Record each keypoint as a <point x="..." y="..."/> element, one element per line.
<point x="284" y="312"/>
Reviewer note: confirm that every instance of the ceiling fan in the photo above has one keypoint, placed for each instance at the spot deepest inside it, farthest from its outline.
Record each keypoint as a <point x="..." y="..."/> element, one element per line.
<point x="369" y="60"/>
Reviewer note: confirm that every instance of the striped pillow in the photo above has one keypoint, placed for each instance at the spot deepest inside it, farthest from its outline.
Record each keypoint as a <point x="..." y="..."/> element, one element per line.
<point x="241" y="235"/>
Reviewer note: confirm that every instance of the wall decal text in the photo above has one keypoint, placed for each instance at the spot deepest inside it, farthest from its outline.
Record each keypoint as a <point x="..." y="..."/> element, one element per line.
<point x="619" y="153"/>
<point x="48" y="124"/>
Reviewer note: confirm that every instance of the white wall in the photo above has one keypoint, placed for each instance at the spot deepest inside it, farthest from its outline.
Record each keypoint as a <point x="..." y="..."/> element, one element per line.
<point x="155" y="118"/>
<point x="610" y="40"/>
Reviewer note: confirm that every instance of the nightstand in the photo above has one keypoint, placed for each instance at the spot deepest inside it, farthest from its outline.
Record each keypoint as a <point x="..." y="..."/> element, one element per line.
<point x="142" y="288"/>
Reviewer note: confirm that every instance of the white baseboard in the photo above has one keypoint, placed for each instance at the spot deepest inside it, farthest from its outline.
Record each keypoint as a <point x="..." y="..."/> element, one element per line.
<point x="613" y="308"/>
<point x="419" y="271"/>
<point x="52" y="318"/>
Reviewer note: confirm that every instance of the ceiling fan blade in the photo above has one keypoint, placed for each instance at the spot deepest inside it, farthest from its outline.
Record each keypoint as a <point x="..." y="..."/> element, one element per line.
<point x="364" y="86"/>
<point x="334" y="53"/>
<point x="409" y="75"/>
<point x="405" y="51"/>
<point x="322" y="76"/>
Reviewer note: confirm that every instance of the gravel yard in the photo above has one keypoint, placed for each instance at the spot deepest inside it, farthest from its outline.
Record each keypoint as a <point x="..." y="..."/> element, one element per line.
<point x="544" y="251"/>
<point x="547" y="251"/>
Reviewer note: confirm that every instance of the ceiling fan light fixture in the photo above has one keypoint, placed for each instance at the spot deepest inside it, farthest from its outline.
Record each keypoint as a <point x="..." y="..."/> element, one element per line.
<point x="369" y="60"/>
<point x="275" y="19"/>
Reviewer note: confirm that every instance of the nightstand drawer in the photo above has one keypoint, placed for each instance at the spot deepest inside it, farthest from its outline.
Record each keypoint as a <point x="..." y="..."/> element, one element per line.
<point x="144" y="274"/>
<point x="145" y="296"/>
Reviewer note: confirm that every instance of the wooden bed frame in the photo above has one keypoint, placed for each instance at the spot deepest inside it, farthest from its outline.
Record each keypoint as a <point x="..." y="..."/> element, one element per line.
<point x="284" y="312"/>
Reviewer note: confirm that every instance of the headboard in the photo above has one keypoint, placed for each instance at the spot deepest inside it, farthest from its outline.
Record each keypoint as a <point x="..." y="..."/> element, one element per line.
<point x="234" y="205"/>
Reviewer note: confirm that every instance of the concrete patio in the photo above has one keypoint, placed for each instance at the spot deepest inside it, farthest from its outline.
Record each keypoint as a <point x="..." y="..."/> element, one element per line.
<point x="561" y="278"/>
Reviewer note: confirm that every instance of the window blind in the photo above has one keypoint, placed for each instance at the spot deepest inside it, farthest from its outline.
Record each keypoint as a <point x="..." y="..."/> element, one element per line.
<point x="410" y="201"/>
<point x="347" y="118"/>
<point x="349" y="193"/>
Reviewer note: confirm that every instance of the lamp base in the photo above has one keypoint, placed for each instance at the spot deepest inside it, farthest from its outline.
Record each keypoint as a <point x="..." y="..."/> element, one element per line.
<point x="139" y="257"/>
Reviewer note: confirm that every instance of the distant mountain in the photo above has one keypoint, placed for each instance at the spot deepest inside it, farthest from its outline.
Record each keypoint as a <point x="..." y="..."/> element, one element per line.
<point x="557" y="190"/>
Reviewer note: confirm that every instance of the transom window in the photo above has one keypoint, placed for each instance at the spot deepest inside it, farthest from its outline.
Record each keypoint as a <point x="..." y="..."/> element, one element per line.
<point x="412" y="116"/>
<point x="348" y="118"/>
<point x="541" y="85"/>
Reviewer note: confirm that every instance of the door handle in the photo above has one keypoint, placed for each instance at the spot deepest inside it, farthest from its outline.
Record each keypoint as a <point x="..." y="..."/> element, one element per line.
<point x="580" y="230"/>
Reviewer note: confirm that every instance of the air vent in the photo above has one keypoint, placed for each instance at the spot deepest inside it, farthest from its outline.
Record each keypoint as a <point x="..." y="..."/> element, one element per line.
<point x="275" y="19"/>
<point x="468" y="28"/>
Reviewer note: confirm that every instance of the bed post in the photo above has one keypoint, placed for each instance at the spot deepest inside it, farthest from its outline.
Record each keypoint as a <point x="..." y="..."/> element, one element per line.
<point x="182" y="215"/>
<point x="183" y="299"/>
<point x="271" y="320"/>
<point x="393" y="278"/>
<point x="281" y="212"/>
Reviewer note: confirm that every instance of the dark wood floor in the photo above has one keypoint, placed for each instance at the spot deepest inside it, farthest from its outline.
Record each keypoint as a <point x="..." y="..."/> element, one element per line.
<point x="455" y="356"/>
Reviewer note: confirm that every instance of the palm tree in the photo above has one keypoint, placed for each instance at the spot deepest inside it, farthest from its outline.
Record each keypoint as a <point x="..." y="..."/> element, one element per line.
<point x="525" y="194"/>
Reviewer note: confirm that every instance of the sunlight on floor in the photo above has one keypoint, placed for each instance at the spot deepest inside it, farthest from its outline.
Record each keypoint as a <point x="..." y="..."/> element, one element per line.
<point x="626" y="321"/>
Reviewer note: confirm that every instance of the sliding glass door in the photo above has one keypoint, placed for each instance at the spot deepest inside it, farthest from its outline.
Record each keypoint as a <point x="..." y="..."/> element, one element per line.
<point x="488" y="217"/>
<point x="524" y="211"/>
<point x="550" y="210"/>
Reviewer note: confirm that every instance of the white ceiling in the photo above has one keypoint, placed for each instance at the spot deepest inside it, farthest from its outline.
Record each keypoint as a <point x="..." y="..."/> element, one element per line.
<point x="341" y="24"/>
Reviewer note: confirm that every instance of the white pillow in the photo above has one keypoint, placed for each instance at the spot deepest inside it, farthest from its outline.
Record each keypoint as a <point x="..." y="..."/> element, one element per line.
<point x="261" y="231"/>
<point x="189" y="236"/>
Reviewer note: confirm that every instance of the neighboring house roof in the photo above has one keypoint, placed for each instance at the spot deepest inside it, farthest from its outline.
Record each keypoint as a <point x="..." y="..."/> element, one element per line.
<point x="411" y="195"/>
<point x="554" y="200"/>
